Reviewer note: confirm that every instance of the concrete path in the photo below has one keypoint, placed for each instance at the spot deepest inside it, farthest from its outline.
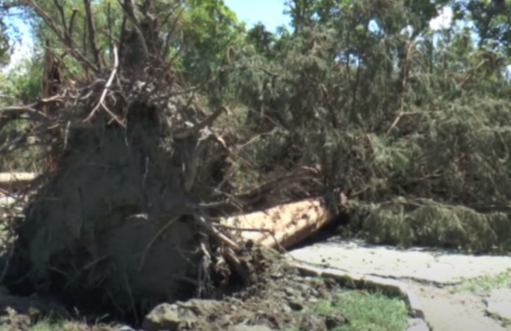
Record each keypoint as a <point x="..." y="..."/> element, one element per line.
<point x="430" y="273"/>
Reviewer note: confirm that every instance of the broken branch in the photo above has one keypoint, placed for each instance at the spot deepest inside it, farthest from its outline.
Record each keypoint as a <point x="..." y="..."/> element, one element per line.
<point x="66" y="41"/>
<point x="92" y="33"/>
<point x="105" y="91"/>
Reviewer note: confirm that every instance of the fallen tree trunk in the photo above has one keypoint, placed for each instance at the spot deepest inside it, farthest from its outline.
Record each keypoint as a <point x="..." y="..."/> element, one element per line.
<point x="281" y="226"/>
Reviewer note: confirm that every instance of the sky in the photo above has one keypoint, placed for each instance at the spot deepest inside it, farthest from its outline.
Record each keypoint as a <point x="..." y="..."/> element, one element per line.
<point x="268" y="12"/>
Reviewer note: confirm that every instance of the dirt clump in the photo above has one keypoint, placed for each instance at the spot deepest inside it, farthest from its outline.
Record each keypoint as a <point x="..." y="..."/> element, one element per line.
<point x="19" y="313"/>
<point x="281" y="299"/>
<point x="275" y="297"/>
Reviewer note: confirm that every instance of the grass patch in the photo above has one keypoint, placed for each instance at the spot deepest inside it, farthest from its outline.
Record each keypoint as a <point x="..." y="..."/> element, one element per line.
<point x="372" y="312"/>
<point x="485" y="284"/>
<point x="364" y="311"/>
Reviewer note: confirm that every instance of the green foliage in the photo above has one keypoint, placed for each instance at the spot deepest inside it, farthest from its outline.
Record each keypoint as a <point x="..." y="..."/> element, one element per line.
<point x="209" y="29"/>
<point x="424" y="222"/>
<point x="384" y="113"/>
<point x="4" y="45"/>
<point x="22" y="84"/>
<point x="363" y="90"/>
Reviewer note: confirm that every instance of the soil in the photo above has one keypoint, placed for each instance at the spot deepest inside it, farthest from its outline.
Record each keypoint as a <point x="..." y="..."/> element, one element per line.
<point x="110" y="220"/>
<point x="279" y="299"/>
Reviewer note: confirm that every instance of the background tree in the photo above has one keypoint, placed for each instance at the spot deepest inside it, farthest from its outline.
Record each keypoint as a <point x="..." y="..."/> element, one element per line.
<point x="4" y="45"/>
<point x="387" y="108"/>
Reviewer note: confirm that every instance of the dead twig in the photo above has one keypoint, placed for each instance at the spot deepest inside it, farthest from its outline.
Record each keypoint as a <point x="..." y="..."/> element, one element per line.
<point x="18" y="111"/>
<point x="170" y="33"/>
<point x="105" y="91"/>
<point x="72" y="24"/>
<point x="404" y="85"/>
<point x="201" y="218"/>
<point x="60" y="9"/>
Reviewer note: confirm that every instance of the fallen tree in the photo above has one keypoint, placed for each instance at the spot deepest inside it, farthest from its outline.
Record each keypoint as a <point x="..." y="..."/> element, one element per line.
<point x="125" y="213"/>
<point x="119" y="216"/>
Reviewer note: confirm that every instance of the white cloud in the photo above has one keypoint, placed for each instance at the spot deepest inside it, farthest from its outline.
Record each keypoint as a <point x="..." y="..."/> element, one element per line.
<point x="443" y="20"/>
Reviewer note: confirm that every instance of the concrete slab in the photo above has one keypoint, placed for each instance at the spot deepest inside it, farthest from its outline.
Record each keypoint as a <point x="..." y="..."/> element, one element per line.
<point x="417" y="264"/>
<point x="498" y="304"/>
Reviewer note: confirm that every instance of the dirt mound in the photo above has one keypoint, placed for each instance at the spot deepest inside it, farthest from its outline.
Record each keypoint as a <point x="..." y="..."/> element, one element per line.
<point x="275" y="297"/>
<point x="280" y="300"/>
<point x="115" y="219"/>
<point x="18" y="313"/>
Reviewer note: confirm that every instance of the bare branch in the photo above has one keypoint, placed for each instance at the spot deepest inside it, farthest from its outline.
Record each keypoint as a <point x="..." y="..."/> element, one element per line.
<point x="62" y="14"/>
<point x="68" y="43"/>
<point x="110" y="37"/>
<point x="122" y="39"/>
<point x="105" y="91"/>
<point x="191" y="167"/>
<point x="203" y="221"/>
<point x="72" y="22"/>
<point x="170" y="33"/>
<point x="404" y="85"/>
<point x="92" y="33"/>
<point x="129" y="13"/>
<point x="84" y="39"/>
<point x="188" y="132"/>
<point x="30" y="110"/>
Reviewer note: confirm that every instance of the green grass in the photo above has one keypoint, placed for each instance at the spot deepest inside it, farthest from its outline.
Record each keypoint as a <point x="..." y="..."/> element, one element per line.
<point x="372" y="312"/>
<point x="485" y="284"/>
<point x="365" y="312"/>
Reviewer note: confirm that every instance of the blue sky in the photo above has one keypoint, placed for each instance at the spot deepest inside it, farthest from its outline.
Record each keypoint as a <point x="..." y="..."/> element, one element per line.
<point x="268" y="12"/>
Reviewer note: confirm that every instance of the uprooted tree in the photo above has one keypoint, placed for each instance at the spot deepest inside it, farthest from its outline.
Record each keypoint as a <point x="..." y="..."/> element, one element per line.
<point x="136" y="160"/>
